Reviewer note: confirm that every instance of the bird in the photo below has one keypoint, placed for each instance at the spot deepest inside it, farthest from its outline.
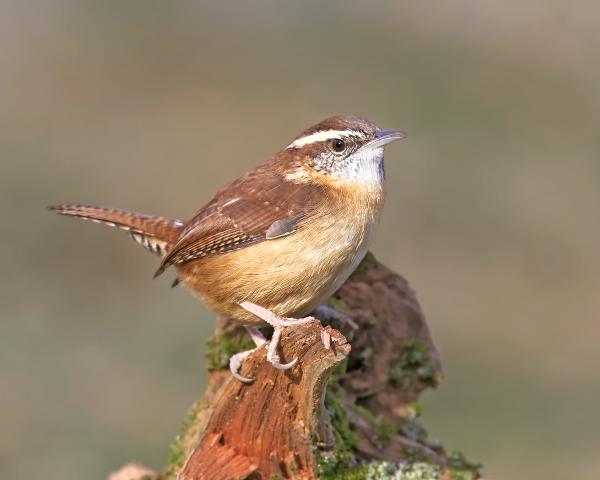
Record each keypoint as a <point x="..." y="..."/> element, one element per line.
<point x="277" y="242"/>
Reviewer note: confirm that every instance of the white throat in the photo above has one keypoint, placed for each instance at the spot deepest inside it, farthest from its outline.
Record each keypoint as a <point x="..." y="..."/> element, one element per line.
<point x="365" y="167"/>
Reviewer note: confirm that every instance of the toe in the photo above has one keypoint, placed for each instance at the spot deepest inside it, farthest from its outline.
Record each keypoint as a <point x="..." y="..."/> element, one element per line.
<point x="326" y="338"/>
<point x="241" y="378"/>
<point x="284" y="366"/>
<point x="235" y="363"/>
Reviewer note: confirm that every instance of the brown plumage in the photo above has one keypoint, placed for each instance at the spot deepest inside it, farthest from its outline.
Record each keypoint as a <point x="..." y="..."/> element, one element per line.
<point x="242" y="214"/>
<point x="156" y="234"/>
<point x="285" y="235"/>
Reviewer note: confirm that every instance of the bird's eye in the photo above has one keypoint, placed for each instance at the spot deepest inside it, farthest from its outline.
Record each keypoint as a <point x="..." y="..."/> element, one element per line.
<point x="338" y="145"/>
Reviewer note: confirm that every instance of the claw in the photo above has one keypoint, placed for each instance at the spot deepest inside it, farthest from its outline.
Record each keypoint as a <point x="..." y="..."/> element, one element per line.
<point x="284" y="366"/>
<point x="235" y="363"/>
<point x="326" y="338"/>
<point x="272" y="356"/>
<point x="278" y="323"/>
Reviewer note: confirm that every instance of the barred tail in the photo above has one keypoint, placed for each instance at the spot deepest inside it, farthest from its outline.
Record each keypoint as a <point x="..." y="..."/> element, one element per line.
<point x="156" y="234"/>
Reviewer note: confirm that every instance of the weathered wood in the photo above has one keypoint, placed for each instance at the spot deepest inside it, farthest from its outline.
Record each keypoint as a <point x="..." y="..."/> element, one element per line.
<point x="269" y="427"/>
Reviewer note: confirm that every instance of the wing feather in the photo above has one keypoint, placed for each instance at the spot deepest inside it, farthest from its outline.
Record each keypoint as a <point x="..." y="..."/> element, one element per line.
<point x="262" y="205"/>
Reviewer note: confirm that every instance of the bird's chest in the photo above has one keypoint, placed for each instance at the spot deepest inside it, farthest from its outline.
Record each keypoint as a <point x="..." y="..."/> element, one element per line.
<point x="333" y="249"/>
<point x="329" y="247"/>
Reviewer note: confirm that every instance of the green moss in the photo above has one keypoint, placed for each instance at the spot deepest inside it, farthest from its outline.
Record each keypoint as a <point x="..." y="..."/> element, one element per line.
<point x="361" y="411"/>
<point x="221" y="348"/>
<point x="413" y="366"/>
<point x="368" y="262"/>
<point x="384" y="432"/>
<point x="403" y="471"/>
<point x="385" y="470"/>
<point x="345" y="438"/>
<point x="338" y="372"/>
<point x="177" y="450"/>
<point x="331" y="469"/>
<point x="340" y="463"/>
<point x="461" y="468"/>
<point x="462" y="475"/>
<point x="415" y="409"/>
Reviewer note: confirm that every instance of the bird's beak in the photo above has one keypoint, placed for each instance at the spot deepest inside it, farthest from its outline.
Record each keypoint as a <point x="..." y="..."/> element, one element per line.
<point x="383" y="137"/>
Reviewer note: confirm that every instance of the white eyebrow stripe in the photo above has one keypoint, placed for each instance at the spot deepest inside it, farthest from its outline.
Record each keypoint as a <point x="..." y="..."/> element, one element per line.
<point x="319" y="136"/>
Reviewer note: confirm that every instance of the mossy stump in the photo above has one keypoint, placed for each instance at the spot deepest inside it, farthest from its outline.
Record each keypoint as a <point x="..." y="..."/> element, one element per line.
<point x="343" y="413"/>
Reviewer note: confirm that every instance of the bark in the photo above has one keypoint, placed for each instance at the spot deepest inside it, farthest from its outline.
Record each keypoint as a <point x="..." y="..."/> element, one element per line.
<point x="267" y="427"/>
<point x="339" y="413"/>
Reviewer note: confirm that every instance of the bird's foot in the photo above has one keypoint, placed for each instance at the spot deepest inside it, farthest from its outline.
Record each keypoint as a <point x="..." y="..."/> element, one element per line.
<point x="279" y="323"/>
<point x="235" y="362"/>
<point x="330" y="313"/>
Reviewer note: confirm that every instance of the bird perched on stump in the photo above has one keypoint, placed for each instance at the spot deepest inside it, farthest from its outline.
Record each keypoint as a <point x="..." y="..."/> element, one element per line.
<point x="281" y="239"/>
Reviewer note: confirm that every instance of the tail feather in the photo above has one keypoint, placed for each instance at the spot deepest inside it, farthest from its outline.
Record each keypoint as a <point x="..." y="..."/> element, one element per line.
<point x="156" y="234"/>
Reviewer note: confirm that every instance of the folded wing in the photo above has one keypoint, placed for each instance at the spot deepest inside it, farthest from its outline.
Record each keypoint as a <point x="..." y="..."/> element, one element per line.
<point x="261" y="205"/>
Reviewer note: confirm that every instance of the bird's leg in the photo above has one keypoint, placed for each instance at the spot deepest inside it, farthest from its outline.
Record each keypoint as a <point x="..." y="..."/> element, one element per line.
<point x="278" y="323"/>
<point x="325" y="311"/>
<point x="235" y="362"/>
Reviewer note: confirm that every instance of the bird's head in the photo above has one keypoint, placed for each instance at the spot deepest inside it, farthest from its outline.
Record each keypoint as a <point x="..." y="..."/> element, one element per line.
<point x="342" y="148"/>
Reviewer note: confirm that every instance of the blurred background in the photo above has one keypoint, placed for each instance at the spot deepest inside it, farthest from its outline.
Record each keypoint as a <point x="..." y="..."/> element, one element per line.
<point x="148" y="105"/>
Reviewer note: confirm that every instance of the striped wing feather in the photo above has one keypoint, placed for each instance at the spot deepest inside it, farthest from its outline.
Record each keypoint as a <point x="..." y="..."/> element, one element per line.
<point x="259" y="206"/>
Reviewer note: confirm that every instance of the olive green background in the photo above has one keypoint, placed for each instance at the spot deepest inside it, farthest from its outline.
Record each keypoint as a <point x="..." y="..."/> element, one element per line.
<point x="492" y="211"/>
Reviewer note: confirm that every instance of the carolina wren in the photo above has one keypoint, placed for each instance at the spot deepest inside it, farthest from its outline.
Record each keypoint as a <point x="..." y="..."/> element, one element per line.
<point x="279" y="240"/>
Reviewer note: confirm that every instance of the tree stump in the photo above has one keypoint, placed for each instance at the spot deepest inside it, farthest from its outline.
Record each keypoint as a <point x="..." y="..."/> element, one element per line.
<point x="339" y="413"/>
<point x="267" y="427"/>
